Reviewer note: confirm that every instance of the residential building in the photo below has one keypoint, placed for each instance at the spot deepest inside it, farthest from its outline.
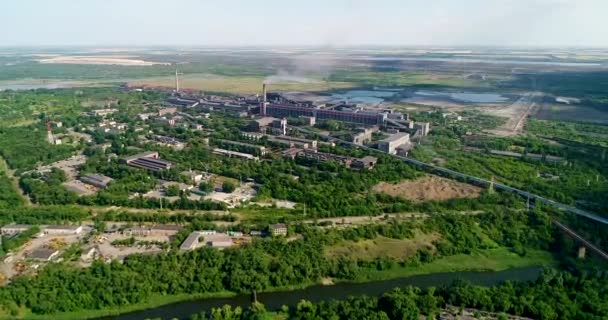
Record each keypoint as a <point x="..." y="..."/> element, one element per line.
<point x="279" y="229"/>
<point x="165" y="111"/>
<point x="102" y="112"/>
<point x="194" y="177"/>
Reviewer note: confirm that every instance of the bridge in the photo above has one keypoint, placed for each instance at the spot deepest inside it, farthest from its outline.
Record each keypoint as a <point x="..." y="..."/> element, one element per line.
<point x="584" y="243"/>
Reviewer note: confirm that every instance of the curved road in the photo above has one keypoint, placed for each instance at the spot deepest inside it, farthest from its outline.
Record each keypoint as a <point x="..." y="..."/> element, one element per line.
<point x="478" y="180"/>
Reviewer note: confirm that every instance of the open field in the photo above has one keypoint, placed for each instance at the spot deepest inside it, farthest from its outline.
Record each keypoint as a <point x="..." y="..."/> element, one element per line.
<point x="241" y="84"/>
<point x="383" y="247"/>
<point x="483" y="260"/>
<point x="564" y="112"/>
<point x="429" y="188"/>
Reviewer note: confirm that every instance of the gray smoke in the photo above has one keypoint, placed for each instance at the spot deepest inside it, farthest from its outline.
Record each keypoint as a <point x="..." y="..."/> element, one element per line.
<point x="304" y="69"/>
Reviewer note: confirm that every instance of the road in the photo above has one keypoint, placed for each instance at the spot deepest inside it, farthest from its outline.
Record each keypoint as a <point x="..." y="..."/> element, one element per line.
<point x="477" y="180"/>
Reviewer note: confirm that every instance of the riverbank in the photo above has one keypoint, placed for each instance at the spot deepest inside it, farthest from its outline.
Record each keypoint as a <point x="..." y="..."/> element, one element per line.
<point x="498" y="259"/>
<point x="492" y="260"/>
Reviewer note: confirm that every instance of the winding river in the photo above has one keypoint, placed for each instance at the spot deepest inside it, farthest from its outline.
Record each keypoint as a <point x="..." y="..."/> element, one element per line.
<point x="274" y="300"/>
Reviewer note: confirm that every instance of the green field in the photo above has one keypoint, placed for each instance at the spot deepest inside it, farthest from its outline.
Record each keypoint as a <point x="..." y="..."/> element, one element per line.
<point x="482" y="260"/>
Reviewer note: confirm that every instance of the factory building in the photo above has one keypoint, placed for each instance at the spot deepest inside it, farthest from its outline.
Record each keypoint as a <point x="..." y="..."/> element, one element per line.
<point x="242" y="146"/>
<point x="364" y="136"/>
<point x="191" y="241"/>
<point x="147" y="160"/>
<point x="240" y="155"/>
<point x="423" y="127"/>
<point x="96" y="180"/>
<point x="293" y="142"/>
<point x="165" y="111"/>
<point x="44" y="254"/>
<point x="58" y="229"/>
<point x="11" y="229"/>
<point x="323" y="156"/>
<point x="390" y="144"/>
<point x="367" y="163"/>
<point x="289" y="111"/>
<point x="276" y="126"/>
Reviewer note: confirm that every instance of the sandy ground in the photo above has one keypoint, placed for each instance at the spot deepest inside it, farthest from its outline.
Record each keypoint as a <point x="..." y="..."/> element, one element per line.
<point x="111" y="60"/>
<point x="429" y="188"/>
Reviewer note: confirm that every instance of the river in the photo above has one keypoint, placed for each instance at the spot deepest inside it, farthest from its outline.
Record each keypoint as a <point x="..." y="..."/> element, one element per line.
<point x="317" y="293"/>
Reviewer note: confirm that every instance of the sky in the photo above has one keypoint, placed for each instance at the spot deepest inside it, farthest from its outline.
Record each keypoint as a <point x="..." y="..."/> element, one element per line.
<point x="304" y="22"/>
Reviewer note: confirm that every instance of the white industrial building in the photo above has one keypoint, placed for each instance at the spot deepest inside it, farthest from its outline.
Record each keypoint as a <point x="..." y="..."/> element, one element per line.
<point x="390" y="144"/>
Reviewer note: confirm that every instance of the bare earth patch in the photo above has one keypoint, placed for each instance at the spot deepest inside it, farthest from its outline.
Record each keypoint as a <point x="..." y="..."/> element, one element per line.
<point x="428" y="188"/>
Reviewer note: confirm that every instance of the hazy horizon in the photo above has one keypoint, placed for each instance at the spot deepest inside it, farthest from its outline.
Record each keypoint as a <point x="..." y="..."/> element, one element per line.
<point x="312" y="23"/>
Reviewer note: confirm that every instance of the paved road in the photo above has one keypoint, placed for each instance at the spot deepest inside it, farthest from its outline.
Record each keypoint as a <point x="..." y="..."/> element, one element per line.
<point x="498" y="186"/>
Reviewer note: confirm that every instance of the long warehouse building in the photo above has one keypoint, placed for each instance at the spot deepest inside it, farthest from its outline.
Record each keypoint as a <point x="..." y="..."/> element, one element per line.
<point x="282" y="110"/>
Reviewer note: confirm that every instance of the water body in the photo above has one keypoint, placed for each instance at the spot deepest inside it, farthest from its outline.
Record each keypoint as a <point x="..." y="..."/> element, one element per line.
<point x="472" y="97"/>
<point x="274" y="300"/>
<point x="30" y="86"/>
<point x="362" y="96"/>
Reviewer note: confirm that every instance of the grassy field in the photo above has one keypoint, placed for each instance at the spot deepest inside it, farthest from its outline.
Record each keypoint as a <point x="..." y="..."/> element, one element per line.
<point x="484" y="260"/>
<point x="383" y="247"/>
<point x="236" y="84"/>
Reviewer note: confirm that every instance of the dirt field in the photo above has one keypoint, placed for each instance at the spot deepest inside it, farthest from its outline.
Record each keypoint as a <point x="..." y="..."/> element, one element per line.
<point x="241" y="85"/>
<point x="383" y="247"/>
<point x="107" y="60"/>
<point x="428" y="188"/>
<point x="516" y="113"/>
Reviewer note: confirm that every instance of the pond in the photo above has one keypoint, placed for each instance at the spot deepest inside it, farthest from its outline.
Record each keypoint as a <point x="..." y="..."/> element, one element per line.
<point x="472" y="97"/>
<point x="362" y="96"/>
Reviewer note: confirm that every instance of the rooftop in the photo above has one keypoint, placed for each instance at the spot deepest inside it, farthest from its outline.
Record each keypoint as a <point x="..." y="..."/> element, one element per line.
<point x="395" y="137"/>
<point x="43" y="253"/>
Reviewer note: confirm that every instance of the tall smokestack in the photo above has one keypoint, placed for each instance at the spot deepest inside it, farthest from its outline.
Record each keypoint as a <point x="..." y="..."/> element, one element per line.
<point x="264" y="103"/>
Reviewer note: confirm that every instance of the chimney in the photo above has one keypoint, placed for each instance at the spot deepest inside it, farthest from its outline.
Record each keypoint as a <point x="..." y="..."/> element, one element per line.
<point x="264" y="92"/>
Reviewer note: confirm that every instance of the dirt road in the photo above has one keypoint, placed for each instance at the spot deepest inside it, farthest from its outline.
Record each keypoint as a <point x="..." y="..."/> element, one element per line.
<point x="517" y="113"/>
